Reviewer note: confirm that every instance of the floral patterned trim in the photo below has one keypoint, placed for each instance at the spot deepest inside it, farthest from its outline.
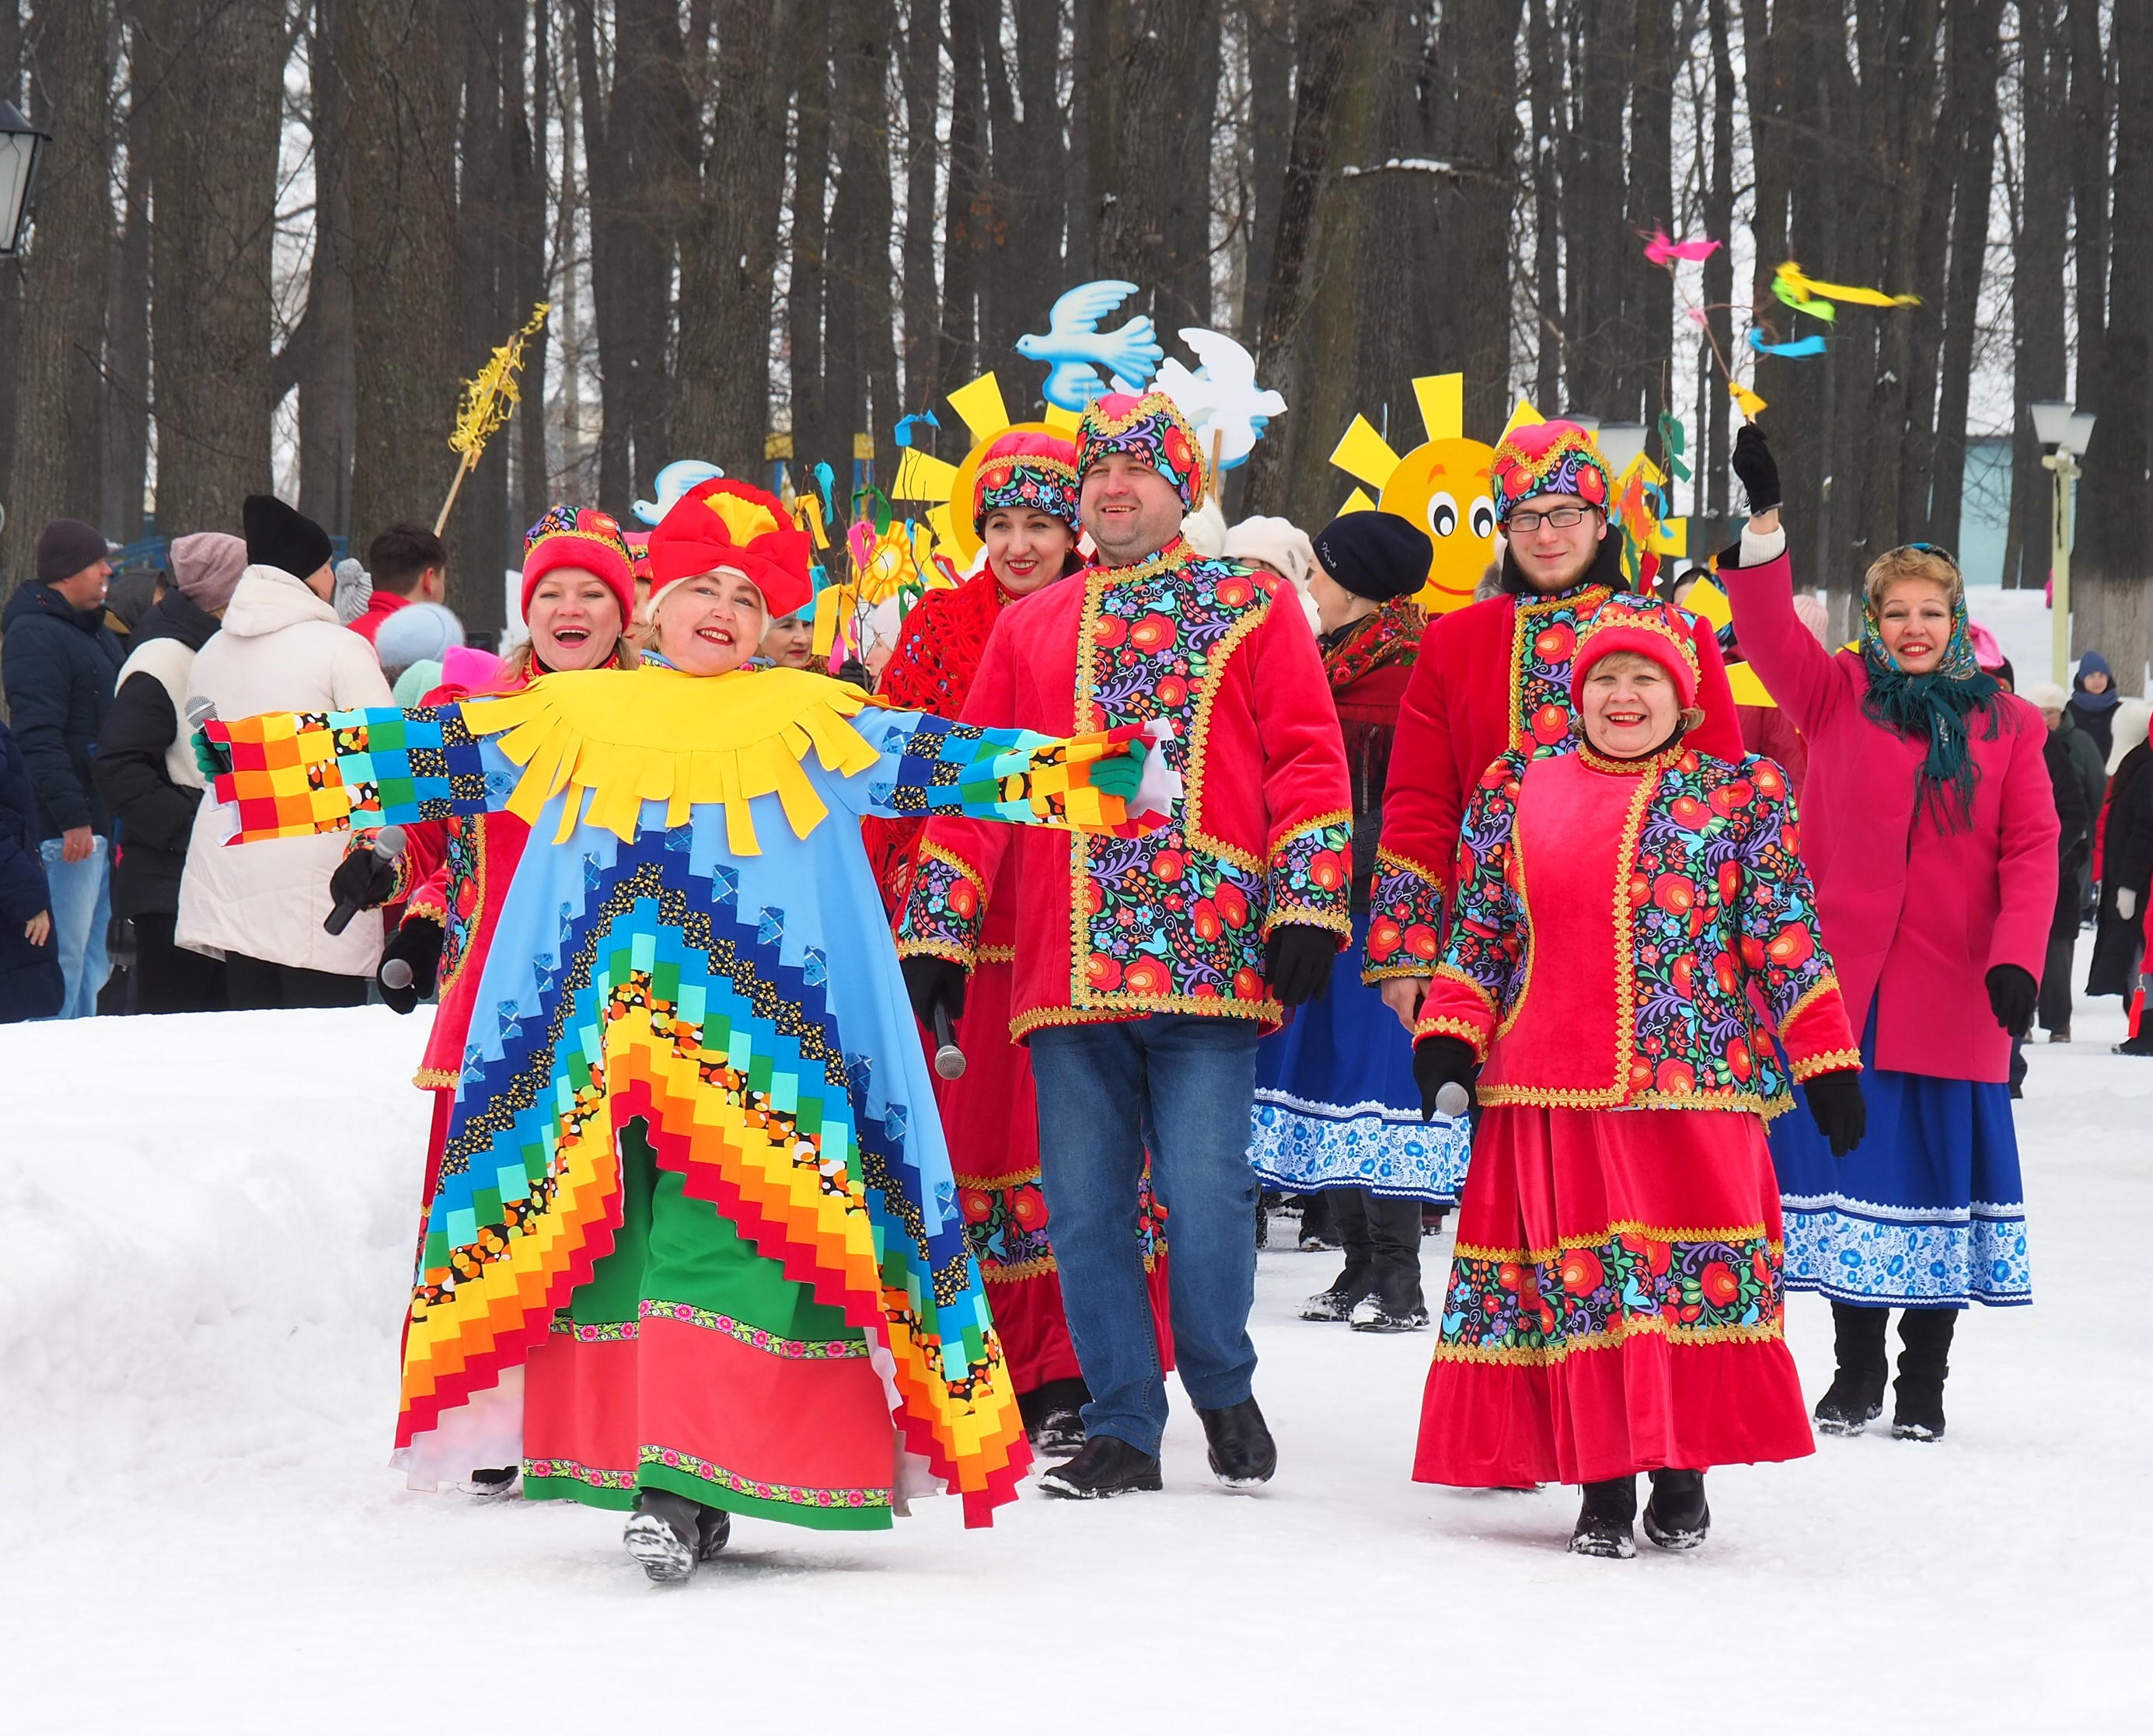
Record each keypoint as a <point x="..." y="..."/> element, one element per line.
<point x="1405" y="918"/>
<point x="1839" y="1249"/>
<point x="756" y="1337"/>
<point x="1636" y="1227"/>
<point x="945" y="908"/>
<point x="791" y="1495"/>
<point x="569" y="1470"/>
<point x="1310" y="875"/>
<point x="1173" y="555"/>
<point x="1536" y="1308"/>
<point x="1199" y="740"/>
<point x="1747" y="1102"/>
<point x="1602" y="762"/>
<point x="1127" y="1006"/>
<point x="1561" y="611"/>
<point x="1835" y="1060"/>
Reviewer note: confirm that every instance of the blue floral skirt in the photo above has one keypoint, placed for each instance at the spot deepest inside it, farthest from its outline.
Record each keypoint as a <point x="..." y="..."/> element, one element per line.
<point x="1928" y="1212"/>
<point x="1336" y="1105"/>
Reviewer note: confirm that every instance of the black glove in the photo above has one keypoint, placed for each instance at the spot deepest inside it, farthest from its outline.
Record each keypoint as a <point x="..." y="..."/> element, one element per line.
<point x="932" y="983"/>
<point x="1440" y="1061"/>
<point x="362" y="878"/>
<point x="2011" y="995"/>
<point x="1755" y="470"/>
<point x="418" y="942"/>
<point x="856" y="672"/>
<point x="1837" y="1108"/>
<point x="1297" y="961"/>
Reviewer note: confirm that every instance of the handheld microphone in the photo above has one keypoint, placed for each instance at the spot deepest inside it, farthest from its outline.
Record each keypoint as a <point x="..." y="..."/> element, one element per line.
<point x="949" y="1058"/>
<point x="1452" y="1100"/>
<point x="201" y="711"/>
<point x="396" y="974"/>
<point x="388" y="845"/>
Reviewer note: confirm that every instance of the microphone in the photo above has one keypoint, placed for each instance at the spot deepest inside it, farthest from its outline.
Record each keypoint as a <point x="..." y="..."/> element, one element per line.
<point x="949" y="1058"/>
<point x="388" y="845"/>
<point x="201" y="711"/>
<point x="396" y="973"/>
<point x="1452" y="1101"/>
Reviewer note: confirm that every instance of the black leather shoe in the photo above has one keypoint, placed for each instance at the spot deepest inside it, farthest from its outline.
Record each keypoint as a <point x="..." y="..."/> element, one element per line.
<point x="1243" y="1454"/>
<point x="1107" y="1466"/>
<point x="1604" y="1520"/>
<point x="1678" y="1517"/>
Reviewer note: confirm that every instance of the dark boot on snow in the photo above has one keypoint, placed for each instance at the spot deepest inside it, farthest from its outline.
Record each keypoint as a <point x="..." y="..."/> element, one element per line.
<point x="1678" y="1517"/>
<point x="1604" y="1520"/>
<point x="1054" y="1416"/>
<point x="1107" y="1466"/>
<point x="1917" y="1407"/>
<point x="667" y="1534"/>
<point x="1243" y="1454"/>
<point x="1856" y="1396"/>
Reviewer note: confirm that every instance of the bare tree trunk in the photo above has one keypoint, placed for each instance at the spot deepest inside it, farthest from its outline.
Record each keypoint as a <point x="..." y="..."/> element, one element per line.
<point x="920" y="73"/>
<point x="397" y="68"/>
<point x="324" y="364"/>
<point x="2038" y="356"/>
<point x="859" y="394"/>
<point x="1596" y="240"/>
<point x="53" y="471"/>
<point x="1719" y="269"/>
<point x="1270" y="27"/>
<point x="730" y="249"/>
<point x="529" y="98"/>
<point x="1155" y="210"/>
<point x="10" y="281"/>
<point x="1549" y="117"/>
<point x="2092" y="124"/>
<point x="1649" y="292"/>
<point x="1474" y="209"/>
<point x="2109" y="576"/>
<point x="127" y="358"/>
<point x="1980" y="66"/>
<point x="813" y="439"/>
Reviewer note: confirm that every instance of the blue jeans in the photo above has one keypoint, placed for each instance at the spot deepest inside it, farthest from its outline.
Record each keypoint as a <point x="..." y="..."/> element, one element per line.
<point x="82" y="909"/>
<point x="1185" y="1086"/>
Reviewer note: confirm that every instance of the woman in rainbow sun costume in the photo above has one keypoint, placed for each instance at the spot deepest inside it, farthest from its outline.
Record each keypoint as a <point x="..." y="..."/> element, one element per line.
<point x="695" y="1249"/>
<point x="1635" y="942"/>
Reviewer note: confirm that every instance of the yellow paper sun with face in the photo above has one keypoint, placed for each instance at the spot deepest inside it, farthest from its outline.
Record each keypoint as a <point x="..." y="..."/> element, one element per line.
<point x="1441" y="486"/>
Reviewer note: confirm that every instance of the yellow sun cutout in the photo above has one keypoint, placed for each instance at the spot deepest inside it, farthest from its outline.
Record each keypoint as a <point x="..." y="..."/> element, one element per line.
<point x="920" y="476"/>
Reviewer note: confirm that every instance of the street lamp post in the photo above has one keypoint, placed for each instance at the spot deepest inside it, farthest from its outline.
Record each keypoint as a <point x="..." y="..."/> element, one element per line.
<point x="2067" y="429"/>
<point x="21" y="145"/>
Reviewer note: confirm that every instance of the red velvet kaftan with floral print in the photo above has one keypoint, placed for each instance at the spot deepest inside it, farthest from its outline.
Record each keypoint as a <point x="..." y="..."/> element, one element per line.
<point x="1632" y="945"/>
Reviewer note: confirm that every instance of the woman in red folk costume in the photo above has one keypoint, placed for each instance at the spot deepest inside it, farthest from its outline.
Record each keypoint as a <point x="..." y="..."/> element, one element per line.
<point x="1634" y="937"/>
<point x="578" y="598"/>
<point x="1023" y="508"/>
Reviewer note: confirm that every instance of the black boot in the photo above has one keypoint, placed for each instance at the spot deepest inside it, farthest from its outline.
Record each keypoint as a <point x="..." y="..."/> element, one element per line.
<point x="1243" y="1454"/>
<point x="1678" y="1517"/>
<point x="1393" y="1303"/>
<point x="1053" y="1415"/>
<point x="666" y="1535"/>
<point x="1107" y="1466"/>
<point x="1605" y="1520"/>
<point x="1917" y="1407"/>
<point x="1336" y="1302"/>
<point x="1856" y="1397"/>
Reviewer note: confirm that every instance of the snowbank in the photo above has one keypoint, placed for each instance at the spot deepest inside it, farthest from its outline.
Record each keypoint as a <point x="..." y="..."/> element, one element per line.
<point x="206" y="1231"/>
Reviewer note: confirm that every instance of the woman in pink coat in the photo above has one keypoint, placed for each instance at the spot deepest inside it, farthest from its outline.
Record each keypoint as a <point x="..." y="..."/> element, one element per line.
<point x="1932" y="830"/>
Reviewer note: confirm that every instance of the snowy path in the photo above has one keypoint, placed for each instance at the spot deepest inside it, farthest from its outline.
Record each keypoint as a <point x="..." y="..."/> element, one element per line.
<point x="197" y="1314"/>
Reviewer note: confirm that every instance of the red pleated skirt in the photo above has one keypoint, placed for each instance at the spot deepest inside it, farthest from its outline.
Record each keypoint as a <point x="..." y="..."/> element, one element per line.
<point x="1615" y="1303"/>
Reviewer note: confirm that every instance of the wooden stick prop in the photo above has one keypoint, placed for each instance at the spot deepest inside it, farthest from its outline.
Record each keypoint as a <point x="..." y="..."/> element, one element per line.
<point x="490" y="398"/>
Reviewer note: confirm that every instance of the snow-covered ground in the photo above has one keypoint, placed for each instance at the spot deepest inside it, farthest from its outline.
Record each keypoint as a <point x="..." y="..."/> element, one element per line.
<point x="206" y="1227"/>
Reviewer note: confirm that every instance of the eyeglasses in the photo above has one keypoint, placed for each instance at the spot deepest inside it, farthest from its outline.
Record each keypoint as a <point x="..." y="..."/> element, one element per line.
<point x="1563" y="518"/>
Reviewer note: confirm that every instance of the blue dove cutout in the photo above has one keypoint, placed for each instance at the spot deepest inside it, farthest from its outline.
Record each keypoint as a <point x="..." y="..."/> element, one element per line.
<point x="1078" y="349"/>
<point x="674" y="480"/>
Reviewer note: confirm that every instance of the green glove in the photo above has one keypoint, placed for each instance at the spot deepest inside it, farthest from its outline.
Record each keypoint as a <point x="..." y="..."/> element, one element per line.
<point x="211" y="760"/>
<point x="1120" y="775"/>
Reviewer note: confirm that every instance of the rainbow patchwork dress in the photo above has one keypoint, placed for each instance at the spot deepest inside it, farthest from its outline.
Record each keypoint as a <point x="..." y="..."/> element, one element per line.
<point x="695" y="1228"/>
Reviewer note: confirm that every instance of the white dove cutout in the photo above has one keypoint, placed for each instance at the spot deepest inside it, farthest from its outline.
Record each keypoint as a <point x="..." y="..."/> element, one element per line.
<point x="1078" y="350"/>
<point x="1221" y="396"/>
<point x="674" y="480"/>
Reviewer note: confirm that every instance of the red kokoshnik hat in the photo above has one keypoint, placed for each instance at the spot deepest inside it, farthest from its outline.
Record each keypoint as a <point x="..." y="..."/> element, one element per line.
<point x="1549" y="458"/>
<point x="1150" y="427"/>
<point x="1027" y="473"/>
<point x="577" y="536"/>
<point x="1646" y="628"/>
<point x="727" y="523"/>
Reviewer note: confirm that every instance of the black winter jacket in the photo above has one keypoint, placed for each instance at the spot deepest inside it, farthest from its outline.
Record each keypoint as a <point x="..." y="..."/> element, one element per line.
<point x="152" y="816"/>
<point x="60" y="664"/>
<point x="30" y="982"/>
<point x="2127" y="861"/>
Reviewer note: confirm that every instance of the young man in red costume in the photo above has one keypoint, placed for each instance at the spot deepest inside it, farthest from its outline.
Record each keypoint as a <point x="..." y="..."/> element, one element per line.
<point x="1147" y="969"/>
<point x="1024" y="509"/>
<point x="1494" y="679"/>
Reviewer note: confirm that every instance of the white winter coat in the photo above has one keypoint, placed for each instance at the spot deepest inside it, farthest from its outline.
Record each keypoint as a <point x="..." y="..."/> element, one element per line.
<point x="281" y="648"/>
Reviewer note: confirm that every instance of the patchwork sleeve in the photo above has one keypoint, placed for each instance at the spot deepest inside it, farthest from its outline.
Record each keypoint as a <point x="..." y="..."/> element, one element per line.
<point x="929" y="765"/>
<point x="292" y="774"/>
<point x="1477" y="973"/>
<point x="1420" y="808"/>
<point x="1782" y="942"/>
<point x="959" y="857"/>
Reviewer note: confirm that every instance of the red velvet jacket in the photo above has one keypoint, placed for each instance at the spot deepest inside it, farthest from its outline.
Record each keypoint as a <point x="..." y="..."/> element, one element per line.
<point x="1111" y="928"/>
<point x="1634" y="934"/>
<point x="1916" y="915"/>
<point x="1491" y="678"/>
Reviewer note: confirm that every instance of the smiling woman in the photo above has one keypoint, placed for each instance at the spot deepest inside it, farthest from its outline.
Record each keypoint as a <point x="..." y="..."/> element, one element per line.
<point x="706" y="625"/>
